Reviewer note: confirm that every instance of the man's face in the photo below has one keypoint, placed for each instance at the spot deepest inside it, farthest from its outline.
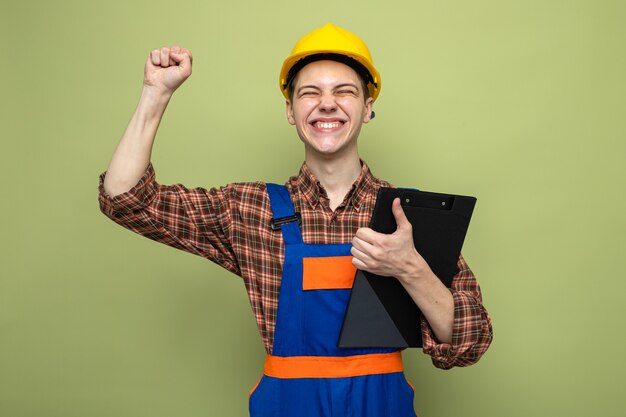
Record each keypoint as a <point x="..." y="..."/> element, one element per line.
<point x="328" y="107"/>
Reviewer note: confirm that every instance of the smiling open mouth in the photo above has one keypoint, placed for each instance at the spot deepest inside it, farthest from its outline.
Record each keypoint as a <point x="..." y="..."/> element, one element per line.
<point x="327" y="125"/>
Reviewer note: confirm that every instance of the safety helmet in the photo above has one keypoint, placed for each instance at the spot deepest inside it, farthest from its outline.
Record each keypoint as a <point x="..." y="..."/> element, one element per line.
<point x="334" y="43"/>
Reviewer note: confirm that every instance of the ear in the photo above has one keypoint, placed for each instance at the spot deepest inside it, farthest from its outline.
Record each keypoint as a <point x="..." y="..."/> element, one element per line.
<point x="368" y="110"/>
<point x="289" y="109"/>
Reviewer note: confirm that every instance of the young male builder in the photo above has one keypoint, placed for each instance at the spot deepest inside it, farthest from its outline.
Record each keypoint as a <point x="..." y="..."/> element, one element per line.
<point x="298" y="274"/>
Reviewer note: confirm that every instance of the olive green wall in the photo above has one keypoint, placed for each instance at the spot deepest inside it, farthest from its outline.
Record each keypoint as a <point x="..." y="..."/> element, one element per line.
<point x="520" y="103"/>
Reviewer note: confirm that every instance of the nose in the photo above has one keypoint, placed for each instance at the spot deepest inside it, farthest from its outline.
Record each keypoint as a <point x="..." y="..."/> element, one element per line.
<point x="327" y="103"/>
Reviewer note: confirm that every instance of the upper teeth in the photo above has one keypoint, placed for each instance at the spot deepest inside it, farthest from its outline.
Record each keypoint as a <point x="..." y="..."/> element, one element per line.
<point x="327" y="125"/>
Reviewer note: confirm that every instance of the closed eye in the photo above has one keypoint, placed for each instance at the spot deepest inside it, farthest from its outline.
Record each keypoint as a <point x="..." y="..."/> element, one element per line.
<point x="307" y="93"/>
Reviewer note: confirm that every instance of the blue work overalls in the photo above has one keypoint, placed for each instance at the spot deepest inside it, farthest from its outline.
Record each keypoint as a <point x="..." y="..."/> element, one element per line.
<point x="307" y="375"/>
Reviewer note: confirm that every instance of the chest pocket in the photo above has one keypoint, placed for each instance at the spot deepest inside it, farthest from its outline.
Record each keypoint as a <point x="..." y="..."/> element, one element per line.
<point x="327" y="273"/>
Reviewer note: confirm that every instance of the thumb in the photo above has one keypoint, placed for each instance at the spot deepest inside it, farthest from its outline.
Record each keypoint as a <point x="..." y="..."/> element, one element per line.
<point x="398" y="214"/>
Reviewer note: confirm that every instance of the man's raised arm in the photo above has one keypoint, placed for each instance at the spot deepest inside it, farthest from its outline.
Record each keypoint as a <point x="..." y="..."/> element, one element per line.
<point x="165" y="70"/>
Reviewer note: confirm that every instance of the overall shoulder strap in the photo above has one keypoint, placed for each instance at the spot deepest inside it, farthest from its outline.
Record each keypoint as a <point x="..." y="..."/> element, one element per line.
<point x="284" y="216"/>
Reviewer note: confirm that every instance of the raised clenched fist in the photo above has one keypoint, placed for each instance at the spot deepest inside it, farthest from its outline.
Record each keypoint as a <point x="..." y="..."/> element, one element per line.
<point x="167" y="68"/>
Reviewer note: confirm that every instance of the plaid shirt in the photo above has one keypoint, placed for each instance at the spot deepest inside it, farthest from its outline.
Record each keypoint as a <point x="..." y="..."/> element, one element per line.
<point x="231" y="226"/>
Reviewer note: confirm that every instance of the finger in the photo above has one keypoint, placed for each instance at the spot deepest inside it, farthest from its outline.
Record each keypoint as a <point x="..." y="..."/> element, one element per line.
<point x="361" y="258"/>
<point x="362" y="246"/>
<point x="362" y="261"/>
<point x="182" y="59"/>
<point x="398" y="214"/>
<point x="366" y="234"/>
<point x="174" y="51"/>
<point x="155" y="57"/>
<point x="358" y="263"/>
<point x="165" y="57"/>
<point x="188" y="52"/>
<point x="360" y="255"/>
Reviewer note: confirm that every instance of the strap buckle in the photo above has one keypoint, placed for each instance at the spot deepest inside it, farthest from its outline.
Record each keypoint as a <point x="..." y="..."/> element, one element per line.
<point x="276" y="224"/>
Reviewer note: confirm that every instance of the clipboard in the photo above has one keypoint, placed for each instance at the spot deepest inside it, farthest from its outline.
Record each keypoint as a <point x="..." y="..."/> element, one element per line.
<point x="380" y="313"/>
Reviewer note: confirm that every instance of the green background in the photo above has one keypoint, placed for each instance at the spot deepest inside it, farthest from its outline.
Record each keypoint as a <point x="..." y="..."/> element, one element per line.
<point x="520" y="103"/>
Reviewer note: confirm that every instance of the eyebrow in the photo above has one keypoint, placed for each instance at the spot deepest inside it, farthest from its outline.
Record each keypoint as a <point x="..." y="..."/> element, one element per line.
<point x="346" y="85"/>
<point x="334" y="88"/>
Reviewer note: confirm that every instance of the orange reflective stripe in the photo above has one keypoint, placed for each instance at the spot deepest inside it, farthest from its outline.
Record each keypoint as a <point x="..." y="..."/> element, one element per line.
<point x="255" y="387"/>
<point x="332" y="366"/>
<point x="332" y="272"/>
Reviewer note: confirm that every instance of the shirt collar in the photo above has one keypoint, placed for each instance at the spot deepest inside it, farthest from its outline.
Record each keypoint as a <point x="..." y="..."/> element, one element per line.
<point x="314" y="192"/>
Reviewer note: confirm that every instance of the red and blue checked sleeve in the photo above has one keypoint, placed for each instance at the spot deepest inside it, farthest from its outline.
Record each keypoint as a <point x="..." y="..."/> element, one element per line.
<point x="194" y="220"/>
<point x="472" y="330"/>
